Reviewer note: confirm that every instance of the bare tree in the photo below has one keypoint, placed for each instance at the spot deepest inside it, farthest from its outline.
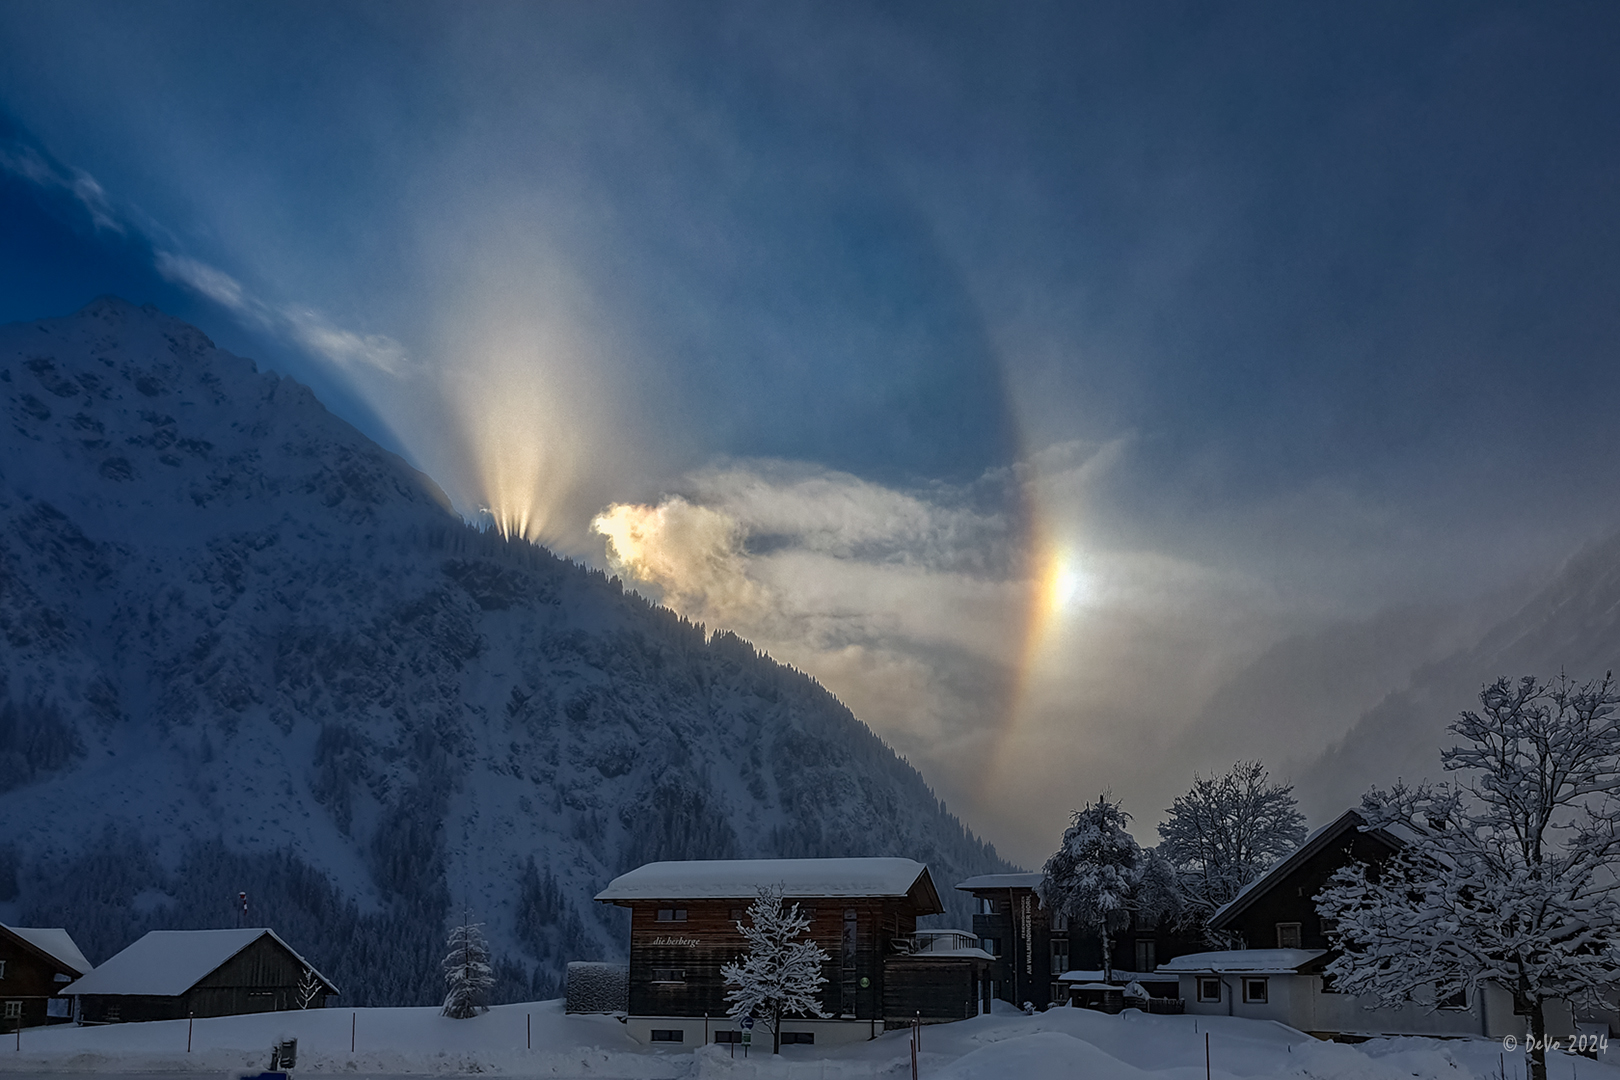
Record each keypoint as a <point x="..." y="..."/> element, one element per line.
<point x="1509" y="875"/>
<point x="1226" y="832"/>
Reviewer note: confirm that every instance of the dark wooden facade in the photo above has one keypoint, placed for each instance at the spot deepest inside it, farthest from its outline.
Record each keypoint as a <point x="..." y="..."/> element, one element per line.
<point x="29" y="978"/>
<point x="1033" y="949"/>
<point x="1278" y="911"/>
<point x="263" y="977"/>
<point x="675" y="965"/>
<point x="878" y="970"/>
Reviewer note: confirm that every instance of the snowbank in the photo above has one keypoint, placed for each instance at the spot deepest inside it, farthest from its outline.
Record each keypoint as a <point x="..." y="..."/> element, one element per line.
<point x="1059" y="1045"/>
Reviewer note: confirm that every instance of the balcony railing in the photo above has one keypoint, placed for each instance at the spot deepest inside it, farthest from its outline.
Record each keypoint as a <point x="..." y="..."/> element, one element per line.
<point x="935" y="942"/>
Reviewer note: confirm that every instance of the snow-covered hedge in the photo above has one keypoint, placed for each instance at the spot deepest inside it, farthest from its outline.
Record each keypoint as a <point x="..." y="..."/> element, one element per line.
<point x="597" y="988"/>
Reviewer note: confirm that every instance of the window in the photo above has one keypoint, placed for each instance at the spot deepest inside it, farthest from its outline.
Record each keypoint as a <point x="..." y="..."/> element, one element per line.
<point x="987" y="906"/>
<point x="13" y="1010"/>
<point x="1060" y="956"/>
<point x="1254" y="991"/>
<point x="669" y="975"/>
<point x="1288" y="935"/>
<point x="668" y="1035"/>
<point x="802" y="1037"/>
<point x="1060" y="923"/>
<point x="671" y="914"/>
<point x="1459" y="1000"/>
<point x="1329" y="984"/>
<point x="808" y="913"/>
<point x="2" y="969"/>
<point x="991" y="945"/>
<point x="113" y="1014"/>
<point x="1209" y="989"/>
<point x="739" y="914"/>
<point x="724" y="1037"/>
<point x="1146" y="956"/>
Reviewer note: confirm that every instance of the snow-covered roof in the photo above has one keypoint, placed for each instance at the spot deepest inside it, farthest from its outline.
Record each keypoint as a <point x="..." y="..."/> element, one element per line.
<point x="1243" y="962"/>
<point x="166" y="963"/>
<point x="1315" y="842"/>
<point x="735" y="879"/>
<point x="55" y="943"/>
<point x="1001" y="881"/>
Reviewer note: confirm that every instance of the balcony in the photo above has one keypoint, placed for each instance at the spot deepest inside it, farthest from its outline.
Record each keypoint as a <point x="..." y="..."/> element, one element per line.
<point x="935" y="943"/>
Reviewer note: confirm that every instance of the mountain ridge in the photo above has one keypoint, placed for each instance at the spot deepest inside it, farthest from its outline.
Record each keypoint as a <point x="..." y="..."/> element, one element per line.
<point x="249" y="649"/>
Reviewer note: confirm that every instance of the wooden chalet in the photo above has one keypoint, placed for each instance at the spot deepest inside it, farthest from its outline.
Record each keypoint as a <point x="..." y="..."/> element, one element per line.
<point x="171" y="974"/>
<point x="882" y="971"/>
<point x="36" y="963"/>
<point x="1279" y="975"/>
<point x="1278" y="909"/>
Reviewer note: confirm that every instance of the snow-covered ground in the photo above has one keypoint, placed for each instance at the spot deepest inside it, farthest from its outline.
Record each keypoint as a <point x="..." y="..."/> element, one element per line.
<point x="1064" y="1043"/>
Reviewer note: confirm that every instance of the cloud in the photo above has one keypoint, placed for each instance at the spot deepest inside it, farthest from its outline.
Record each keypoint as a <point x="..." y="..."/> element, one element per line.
<point x="934" y="613"/>
<point x="302" y="325"/>
<point x="217" y="285"/>
<point x="29" y="164"/>
<point x="345" y="348"/>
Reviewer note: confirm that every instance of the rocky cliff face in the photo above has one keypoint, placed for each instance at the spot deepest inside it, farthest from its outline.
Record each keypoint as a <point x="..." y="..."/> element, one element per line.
<point x="247" y="649"/>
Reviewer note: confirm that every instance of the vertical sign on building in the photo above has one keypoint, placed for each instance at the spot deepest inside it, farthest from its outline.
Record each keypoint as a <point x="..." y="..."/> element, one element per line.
<point x="1029" y="940"/>
<point x="848" y="981"/>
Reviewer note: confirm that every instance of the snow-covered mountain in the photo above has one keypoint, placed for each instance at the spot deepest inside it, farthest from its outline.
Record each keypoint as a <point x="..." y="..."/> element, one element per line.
<point x="246" y="649"/>
<point x="1570" y="625"/>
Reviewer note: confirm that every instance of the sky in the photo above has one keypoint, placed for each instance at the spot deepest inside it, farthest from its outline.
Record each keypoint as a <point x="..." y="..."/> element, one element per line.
<point x="1027" y="373"/>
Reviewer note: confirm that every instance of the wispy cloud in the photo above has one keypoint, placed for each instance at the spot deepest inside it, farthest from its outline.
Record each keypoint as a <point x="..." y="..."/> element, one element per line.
<point x="31" y="165"/>
<point x="300" y="324"/>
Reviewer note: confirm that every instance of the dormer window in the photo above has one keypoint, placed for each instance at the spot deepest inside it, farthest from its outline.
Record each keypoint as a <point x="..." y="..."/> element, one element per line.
<point x="671" y="914"/>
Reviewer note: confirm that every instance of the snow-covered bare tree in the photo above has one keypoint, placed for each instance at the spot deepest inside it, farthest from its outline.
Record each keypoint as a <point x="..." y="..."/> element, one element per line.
<point x="1101" y="878"/>
<point x="467" y="972"/>
<point x="1508" y="876"/>
<point x="779" y="975"/>
<point x="1226" y="832"/>
<point x="309" y="989"/>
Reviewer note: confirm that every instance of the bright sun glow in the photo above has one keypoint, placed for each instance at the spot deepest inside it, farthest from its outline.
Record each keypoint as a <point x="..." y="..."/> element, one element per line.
<point x="1065" y="585"/>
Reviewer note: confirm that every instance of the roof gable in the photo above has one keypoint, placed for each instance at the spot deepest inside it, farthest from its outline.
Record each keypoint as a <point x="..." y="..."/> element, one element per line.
<point x="1348" y="822"/>
<point x="735" y="879"/>
<point x="167" y="963"/>
<point x="54" y="944"/>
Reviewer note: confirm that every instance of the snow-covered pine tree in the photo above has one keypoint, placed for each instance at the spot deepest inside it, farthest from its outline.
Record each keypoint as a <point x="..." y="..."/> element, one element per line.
<point x="779" y="975"/>
<point x="467" y="971"/>
<point x="1101" y="878"/>
<point x="1225" y="832"/>
<point x="1508" y="877"/>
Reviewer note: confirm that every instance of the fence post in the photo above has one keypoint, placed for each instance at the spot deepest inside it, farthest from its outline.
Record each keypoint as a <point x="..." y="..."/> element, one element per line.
<point x="528" y="1030"/>
<point x="1206" y="1055"/>
<point x="351" y="1031"/>
<point x="190" y="1020"/>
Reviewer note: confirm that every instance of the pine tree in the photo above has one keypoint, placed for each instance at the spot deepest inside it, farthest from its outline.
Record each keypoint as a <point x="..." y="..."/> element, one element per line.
<point x="779" y="975"/>
<point x="1101" y="878"/>
<point x="1508" y="878"/>
<point x="467" y="971"/>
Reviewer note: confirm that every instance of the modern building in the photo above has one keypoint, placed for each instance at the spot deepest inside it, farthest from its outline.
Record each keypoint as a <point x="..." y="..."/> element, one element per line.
<point x="1040" y="960"/>
<point x="36" y="963"/>
<point x="172" y="974"/>
<point x="881" y="971"/>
